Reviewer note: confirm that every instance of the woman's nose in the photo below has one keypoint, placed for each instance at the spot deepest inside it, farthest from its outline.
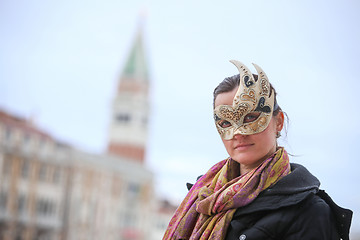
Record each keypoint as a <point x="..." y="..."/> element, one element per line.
<point x="239" y="136"/>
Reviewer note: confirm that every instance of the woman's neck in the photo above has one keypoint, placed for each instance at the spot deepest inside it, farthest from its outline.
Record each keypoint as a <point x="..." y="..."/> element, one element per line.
<point x="244" y="169"/>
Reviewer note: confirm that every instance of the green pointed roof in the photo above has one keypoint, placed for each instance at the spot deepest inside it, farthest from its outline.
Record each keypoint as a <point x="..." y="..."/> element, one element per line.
<point x="136" y="67"/>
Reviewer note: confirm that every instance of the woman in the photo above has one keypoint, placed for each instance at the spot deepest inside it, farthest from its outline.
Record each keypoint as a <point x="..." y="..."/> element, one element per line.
<point x="255" y="193"/>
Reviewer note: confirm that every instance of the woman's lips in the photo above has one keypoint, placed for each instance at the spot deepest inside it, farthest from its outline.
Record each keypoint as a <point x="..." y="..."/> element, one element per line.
<point x="243" y="146"/>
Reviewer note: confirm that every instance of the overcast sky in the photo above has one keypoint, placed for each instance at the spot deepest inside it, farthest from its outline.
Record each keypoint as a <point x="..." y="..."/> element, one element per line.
<point x="60" y="63"/>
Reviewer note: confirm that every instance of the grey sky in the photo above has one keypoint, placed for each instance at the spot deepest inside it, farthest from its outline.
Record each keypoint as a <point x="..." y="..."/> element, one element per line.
<point x="60" y="62"/>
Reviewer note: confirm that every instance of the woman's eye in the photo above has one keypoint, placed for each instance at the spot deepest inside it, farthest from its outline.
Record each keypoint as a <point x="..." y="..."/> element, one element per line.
<point x="224" y="123"/>
<point x="251" y="117"/>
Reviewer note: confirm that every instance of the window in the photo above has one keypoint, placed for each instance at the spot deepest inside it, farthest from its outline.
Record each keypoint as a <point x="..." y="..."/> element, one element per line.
<point x="21" y="204"/>
<point x="56" y="175"/>
<point x="133" y="190"/>
<point x="26" y="139"/>
<point x="123" y="117"/>
<point x="6" y="169"/>
<point x="43" y="172"/>
<point x="7" y="134"/>
<point x="3" y="200"/>
<point x="42" y="143"/>
<point x="45" y="207"/>
<point x="25" y="169"/>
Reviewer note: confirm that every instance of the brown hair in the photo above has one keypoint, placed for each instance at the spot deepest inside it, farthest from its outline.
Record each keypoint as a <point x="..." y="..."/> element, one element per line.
<point x="230" y="83"/>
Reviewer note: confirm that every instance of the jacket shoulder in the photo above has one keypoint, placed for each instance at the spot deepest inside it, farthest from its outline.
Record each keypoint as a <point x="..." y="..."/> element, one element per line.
<point x="313" y="219"/>
<point x="342" y="216"/>
<point x="310" y="219"/>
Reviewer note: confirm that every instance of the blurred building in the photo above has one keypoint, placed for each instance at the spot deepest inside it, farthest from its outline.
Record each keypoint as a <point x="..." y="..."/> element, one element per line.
<point x="49" y="190"/>
<point x="163" y="213"/>
<point x="109" y="198"/>
<point x="130" y="113"/>
<point x="52" y="191"/>
<point x="34" y="180"/>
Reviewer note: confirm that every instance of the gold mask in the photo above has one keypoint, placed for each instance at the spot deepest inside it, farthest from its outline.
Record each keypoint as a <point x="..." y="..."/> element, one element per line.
<point x="252" y="106"/>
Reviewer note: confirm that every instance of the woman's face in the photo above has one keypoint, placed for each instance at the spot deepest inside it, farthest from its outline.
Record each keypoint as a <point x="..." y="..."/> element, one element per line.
<point x="251" y="150"/>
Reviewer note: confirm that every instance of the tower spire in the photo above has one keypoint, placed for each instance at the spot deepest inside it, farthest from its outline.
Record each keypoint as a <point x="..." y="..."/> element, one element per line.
<point x="130" y="112"/>
<point x="135" y="66"/>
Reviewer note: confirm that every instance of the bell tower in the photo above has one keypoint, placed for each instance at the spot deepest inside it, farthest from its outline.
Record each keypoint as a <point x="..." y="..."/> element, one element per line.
<point x="130" y="109"/>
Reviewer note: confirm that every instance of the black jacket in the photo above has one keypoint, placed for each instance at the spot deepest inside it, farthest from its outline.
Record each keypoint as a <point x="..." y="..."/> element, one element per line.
<point x="293" y="209"/>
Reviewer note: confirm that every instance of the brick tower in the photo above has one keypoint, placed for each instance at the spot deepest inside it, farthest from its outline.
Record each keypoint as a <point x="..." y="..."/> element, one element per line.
<point x="130" y="110"/>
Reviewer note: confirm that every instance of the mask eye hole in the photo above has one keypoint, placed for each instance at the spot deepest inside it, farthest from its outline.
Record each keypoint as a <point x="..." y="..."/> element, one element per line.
<point x="224" y="124"/>
<point x="251" y="117"/>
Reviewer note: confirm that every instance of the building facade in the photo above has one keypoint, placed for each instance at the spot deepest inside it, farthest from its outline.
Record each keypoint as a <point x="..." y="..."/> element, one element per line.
<point x="49" y="190"/>
<point x="33" y="181"/>
<point x="110" y="198"/>
<point x="52" y="191"/>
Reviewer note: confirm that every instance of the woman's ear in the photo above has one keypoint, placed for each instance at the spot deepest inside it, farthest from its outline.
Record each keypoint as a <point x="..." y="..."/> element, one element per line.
<point x="279" y="121"/>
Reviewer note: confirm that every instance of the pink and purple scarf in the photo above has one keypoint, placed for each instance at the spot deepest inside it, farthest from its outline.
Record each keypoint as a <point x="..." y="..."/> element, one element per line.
<point x="208" y="208"/>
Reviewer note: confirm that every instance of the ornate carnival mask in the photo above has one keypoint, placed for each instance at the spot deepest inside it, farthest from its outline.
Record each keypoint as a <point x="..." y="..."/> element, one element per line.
<point x="252" y="106"/>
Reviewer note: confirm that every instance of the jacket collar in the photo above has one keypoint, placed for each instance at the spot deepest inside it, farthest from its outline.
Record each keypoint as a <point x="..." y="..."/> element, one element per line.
<point x="299" y="180"/>
<point x="289" y="190"/>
